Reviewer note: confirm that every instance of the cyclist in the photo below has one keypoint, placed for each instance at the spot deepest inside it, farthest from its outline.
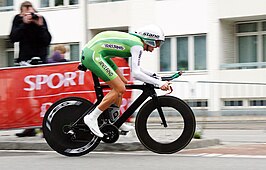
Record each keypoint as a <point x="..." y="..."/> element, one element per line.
<point x="97" y="54"/>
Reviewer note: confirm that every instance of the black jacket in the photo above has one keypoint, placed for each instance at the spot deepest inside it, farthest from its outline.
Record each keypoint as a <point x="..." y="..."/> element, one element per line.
<point x="33" y="39"/>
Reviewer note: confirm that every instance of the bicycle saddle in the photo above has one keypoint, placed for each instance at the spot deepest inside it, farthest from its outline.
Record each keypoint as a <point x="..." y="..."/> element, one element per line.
<point x="82" y="67"/>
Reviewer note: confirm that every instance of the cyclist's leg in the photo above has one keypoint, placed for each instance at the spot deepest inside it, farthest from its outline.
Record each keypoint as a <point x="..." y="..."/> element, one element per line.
<point x="117" y="85"/>
<point x="104" y="69"/>
<point x="93" y="61"/>
<point x="96" y="63"/>
<point x="115" y="95"/>
<point x="118" y="102"/>
<point x="118" y="89"/>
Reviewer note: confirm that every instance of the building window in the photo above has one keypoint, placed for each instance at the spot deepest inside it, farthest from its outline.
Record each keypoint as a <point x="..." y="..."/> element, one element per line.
<point x="99" y="1"/>
<point x="74" y="52"/>
<point x="73" y="2"/>
<point x="165" y="55"/>
<point x="9" y="53"/>
<point x="233" y="103"/>
<point x="59" y="2"/>
<point x="247" y="49"/>
<point x="247" y="27"/>
<point x="264" y="48"/>
<point x="10" y="58"/>
<point x="184" y="53"/>
<point x="257" y="102"/>
<point x="197" y="103"/>
<point x="6" y="5"/>
<point x="251" y="42"/>
<point x="200" y="52"/>
<point x="51" y="3"/>
<point x="45" y="3"/>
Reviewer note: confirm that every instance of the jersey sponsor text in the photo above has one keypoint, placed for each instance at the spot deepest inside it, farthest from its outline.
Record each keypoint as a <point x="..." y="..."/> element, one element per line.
<point x="104" y="66"/>
<point x="114" y="46"/>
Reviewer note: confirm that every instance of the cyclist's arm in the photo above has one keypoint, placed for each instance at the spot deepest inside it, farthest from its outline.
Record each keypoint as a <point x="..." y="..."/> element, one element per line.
<point x="137" y="73"/>
<point x="149" y="73"/>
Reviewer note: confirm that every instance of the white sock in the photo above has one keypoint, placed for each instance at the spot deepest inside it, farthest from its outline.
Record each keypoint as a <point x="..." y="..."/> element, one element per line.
<point x="95" y="113"/>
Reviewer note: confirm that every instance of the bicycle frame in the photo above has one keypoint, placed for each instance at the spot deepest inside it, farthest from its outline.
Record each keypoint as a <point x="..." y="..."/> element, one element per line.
<point x="148" y="90"/>
<point x="76" y="139"/>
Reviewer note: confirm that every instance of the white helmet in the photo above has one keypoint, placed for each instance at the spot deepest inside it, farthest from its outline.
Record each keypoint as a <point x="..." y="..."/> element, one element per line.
<point x="150" y="34"/>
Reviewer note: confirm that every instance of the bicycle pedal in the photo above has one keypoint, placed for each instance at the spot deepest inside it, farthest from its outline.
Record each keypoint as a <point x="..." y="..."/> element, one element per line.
<point x="123" y="132"/>
<point x="72" y="134"/>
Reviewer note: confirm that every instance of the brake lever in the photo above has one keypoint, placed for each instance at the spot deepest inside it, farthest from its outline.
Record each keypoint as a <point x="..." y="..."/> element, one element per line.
<point x="171" y="90"/>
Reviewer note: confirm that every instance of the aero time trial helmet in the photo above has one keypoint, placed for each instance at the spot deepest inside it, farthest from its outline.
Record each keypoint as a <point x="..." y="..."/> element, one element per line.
<point x="152" y="35"/>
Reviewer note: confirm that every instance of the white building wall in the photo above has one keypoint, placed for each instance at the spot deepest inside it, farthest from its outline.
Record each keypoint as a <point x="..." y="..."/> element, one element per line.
<point x="227" y="48"/>
<point x="215" y="18"/>
<point x="179" y="17"/>
<point x="6" y="19"/>
<point x="241" y="9"/>
<point x="64" y="24"/>
<point x="106" y="15"/>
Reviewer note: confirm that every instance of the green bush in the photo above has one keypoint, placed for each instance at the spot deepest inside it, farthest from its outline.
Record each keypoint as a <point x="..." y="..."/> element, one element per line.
<point x="197" y="135"/>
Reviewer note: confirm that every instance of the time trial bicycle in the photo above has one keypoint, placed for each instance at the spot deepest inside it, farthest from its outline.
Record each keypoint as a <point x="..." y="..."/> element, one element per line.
<point x="164" y="124"/>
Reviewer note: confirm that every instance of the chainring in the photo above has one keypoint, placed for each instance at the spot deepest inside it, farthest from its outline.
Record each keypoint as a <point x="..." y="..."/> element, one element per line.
<point x="111" y="133"/>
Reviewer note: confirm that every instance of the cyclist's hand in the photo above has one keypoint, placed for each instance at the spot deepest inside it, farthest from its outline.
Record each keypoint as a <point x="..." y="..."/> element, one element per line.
<point x="166" y="86"/>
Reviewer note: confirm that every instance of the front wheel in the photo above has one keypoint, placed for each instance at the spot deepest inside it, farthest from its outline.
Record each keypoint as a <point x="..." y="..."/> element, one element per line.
<point x="58" y="121"/>
<point x="180" y="125"/>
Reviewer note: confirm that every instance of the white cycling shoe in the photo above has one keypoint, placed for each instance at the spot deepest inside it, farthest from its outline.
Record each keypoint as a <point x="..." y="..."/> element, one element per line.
<point x="125" y="127"/>
<point x="92" y="123"/>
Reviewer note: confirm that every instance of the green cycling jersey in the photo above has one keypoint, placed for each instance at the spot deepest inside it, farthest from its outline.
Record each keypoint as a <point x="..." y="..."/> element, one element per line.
<point x="97" y="53"/>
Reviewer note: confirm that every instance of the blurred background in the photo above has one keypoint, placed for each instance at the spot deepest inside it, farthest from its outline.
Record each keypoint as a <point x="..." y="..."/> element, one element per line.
<point x="220" y="45"/>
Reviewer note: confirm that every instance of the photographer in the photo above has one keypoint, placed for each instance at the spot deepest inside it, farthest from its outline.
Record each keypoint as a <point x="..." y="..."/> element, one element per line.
<point x="30" y="29"/>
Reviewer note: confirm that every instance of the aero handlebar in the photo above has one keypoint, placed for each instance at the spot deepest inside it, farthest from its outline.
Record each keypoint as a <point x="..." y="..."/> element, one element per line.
<point x="174" y="76"/>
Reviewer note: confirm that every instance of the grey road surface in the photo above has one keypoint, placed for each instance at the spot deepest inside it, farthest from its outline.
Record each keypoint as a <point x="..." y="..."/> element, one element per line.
<point x="236" y="135"/>
<point x="126" y="161"/>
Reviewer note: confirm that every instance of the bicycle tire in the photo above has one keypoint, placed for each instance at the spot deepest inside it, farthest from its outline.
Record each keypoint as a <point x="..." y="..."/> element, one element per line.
<point x="62" y="113"/>
<point x="178" y="106"/>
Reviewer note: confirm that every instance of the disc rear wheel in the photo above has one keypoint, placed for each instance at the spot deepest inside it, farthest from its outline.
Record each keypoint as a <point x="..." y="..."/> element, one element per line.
<point x="59" y="133"/>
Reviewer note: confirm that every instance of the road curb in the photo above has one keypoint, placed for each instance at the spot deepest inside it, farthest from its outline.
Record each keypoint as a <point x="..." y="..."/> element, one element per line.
<point x="132" y="146"/>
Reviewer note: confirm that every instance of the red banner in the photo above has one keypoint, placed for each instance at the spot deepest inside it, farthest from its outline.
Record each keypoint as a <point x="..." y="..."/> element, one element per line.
<point x="27" y="92"/>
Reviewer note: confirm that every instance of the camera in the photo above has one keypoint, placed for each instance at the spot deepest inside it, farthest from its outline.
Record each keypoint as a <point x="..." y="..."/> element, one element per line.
<point x="34" y="16"/>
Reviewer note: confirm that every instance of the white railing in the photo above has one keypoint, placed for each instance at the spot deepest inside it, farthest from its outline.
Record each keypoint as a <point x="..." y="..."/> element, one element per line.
<point x="222" y="96"/>
<point x="243" y="65"/>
